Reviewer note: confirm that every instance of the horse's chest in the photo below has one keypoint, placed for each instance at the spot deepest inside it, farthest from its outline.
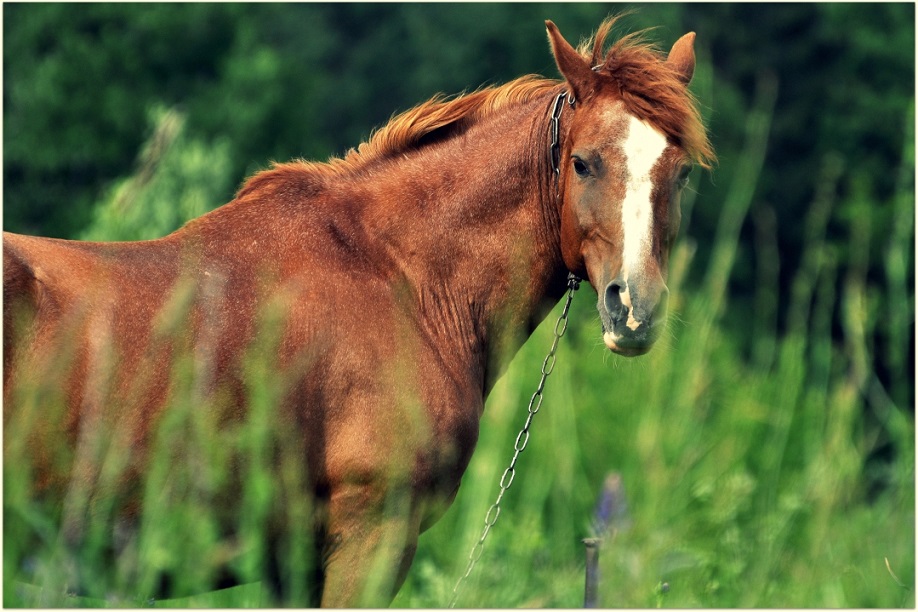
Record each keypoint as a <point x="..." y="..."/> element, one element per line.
<point x="405" y="418"/>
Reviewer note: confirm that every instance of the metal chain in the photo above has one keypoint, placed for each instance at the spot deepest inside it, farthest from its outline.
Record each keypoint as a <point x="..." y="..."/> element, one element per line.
<point x="522" y="438"/>
<point x="554" y="149"/>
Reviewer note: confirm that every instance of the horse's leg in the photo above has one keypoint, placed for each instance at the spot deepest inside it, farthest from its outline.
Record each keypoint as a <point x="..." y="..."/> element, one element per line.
<point x="372" y="538"/>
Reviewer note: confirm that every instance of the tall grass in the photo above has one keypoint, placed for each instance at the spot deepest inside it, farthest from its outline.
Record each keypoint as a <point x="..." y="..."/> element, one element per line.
<point x="745" y="478"/>
<point x="212" y="491"/>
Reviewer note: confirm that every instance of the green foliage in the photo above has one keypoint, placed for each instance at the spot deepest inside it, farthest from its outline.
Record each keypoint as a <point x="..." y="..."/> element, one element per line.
<point x="76" y="102"/>
<point x="177" y="179"/>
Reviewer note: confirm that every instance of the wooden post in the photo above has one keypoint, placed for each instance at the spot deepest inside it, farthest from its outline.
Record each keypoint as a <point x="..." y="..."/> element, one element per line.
<point x="590" y="594"/>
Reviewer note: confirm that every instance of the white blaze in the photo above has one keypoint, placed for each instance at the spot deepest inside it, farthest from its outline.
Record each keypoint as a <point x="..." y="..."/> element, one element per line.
<point x="643" y="147"/>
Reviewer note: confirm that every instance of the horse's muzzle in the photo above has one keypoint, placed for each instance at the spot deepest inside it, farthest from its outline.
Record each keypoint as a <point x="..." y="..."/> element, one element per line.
<point x="633" y="315"/>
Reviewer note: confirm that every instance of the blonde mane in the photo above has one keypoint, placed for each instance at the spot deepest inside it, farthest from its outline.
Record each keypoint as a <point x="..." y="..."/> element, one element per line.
<point x="406" y="130"/>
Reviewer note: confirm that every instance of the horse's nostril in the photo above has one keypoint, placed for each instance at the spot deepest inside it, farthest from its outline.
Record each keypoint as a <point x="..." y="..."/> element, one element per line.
<point x="635" y="306"/>
<point x="613" y="300"/>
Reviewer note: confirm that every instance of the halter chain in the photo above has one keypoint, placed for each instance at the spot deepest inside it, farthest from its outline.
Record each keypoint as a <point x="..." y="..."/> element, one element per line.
<point x="554" y="150"/>
<point x="522" y="438"/>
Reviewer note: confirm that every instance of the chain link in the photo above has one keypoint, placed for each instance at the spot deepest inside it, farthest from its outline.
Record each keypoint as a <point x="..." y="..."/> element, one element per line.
<point x="554" y="149"/>
<point x="522" y="438"/>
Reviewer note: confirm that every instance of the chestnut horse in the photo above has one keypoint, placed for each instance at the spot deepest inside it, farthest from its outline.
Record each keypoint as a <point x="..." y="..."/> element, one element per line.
<point x="403" y="277"/>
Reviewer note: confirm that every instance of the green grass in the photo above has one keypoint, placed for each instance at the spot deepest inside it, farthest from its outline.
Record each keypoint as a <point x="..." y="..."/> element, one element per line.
<point x="745" y="486"/>
<point x="748" y="479"/>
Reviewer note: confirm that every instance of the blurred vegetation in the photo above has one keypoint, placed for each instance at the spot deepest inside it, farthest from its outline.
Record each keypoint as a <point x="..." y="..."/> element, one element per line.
<point x="767" y="449"/>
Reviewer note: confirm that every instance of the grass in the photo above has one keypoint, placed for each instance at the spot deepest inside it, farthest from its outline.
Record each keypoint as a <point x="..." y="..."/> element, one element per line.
<point x="745" y="486"/>
<point x="750" y="482"/>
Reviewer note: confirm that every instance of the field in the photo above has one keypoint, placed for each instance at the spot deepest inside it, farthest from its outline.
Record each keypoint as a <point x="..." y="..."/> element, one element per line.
<point x="765" y="449"/>
<point x="746" y="484"/>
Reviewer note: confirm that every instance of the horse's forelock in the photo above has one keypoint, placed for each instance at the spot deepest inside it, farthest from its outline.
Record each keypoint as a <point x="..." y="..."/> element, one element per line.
<point x="650" y="88"/>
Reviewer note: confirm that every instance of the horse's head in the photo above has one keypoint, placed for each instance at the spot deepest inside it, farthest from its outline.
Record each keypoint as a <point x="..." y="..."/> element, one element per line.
<point x="625" y="159"/>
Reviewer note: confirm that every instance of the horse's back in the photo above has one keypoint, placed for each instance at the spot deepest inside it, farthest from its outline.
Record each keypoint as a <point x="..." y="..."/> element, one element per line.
<point x="22" y="296"/>
<point x="19" y="295"/>
<point x="42" y="271"/>
<point x="58" y="294"/>
<point x="19" y="279"/>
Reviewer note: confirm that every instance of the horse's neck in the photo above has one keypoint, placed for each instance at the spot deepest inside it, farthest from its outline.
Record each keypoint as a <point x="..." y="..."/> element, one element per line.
<point x="472" y="220"/>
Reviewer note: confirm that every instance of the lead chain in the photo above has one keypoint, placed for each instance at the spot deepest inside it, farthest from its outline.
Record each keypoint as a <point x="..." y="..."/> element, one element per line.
<point x="522" y="438"/>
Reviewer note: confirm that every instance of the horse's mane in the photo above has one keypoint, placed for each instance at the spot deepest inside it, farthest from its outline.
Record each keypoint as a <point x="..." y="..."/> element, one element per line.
<point x="649" y="89"/>
<point x="410" y="129"/>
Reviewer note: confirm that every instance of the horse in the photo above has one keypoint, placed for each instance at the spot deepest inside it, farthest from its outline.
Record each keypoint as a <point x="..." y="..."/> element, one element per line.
<point x="402" y="278"/>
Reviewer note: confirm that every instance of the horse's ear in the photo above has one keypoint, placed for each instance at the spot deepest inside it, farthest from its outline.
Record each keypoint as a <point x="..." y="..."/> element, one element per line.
<point x="573" y="67"/>
<point x="682" y="57"/>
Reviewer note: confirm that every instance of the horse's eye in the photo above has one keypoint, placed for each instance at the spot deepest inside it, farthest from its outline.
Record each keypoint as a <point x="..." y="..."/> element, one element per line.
<point x="580" y="167"/>
<point x="683" y="179"/>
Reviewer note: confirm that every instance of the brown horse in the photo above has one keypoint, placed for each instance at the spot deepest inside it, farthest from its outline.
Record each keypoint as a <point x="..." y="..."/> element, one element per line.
<point x="402" y="278"/>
